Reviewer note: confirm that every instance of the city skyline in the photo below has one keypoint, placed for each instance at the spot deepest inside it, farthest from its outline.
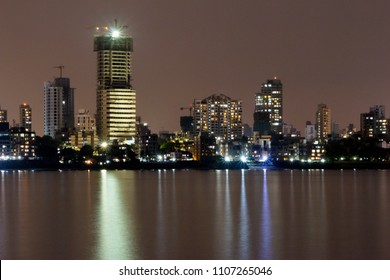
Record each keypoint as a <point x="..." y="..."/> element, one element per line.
<point x="323" y="53"/>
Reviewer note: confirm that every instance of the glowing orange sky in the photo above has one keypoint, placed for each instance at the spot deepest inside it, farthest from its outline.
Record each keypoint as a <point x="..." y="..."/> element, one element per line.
<point x="330" y="51"/>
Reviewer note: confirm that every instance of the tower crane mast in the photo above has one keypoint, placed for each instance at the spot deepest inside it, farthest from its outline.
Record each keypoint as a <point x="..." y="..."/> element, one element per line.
<point x="60" y="67"/>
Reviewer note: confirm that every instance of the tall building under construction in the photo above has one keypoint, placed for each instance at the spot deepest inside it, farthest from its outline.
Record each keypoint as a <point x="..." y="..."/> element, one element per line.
<point x="116" y="98"/>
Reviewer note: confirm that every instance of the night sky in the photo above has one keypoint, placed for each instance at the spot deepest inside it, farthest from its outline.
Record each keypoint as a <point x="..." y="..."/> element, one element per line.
<point x="331" y="51"/>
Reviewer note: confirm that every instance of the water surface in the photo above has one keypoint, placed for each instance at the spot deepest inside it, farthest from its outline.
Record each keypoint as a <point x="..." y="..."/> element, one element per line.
<point x="190" y="214"/>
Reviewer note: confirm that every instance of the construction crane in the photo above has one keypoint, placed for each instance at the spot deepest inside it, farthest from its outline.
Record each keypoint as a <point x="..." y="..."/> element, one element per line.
<point x="187" y="108"/>
<point x="60" y="67"/>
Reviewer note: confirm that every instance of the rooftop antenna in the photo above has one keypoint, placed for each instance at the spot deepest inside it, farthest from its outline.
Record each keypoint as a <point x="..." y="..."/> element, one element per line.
<point x="60" y="67"/>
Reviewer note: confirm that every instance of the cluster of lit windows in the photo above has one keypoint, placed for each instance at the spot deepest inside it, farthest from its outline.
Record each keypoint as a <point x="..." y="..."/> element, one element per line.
<point x="217" y="115"/>
<point x="117" y="109"/>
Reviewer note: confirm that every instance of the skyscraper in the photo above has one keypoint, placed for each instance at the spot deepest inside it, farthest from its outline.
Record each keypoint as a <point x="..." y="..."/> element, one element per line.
<point x="219" y="115"/>
<point x="116" y="98"/>
<point x="25" y="116"/>
<point x="58" y="106"/>
<point x="268" y="116"/>
<point x="323" y="122"/>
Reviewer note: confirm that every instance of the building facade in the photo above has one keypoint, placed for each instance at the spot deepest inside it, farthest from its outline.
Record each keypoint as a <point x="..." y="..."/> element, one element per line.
<point x="268" y="116"/>
<point x="374" y="123"/>
<point x="85" y="121"/>
<point x="3" y="115"/>
<point x="115" y="98"/>
<point x="310" y="132"/>
<point x="5" y="141"/>
<point x="85" y="132"/>
<point x="22" y="143"/>
<point x="58" y="106"/>
<point x="323" y="122"/>
<point x="25" y="116"/>
<point x="220" y="116"/>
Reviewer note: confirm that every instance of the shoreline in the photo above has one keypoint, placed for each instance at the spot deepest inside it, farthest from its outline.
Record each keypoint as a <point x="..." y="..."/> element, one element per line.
<point x="196" y="165"/>
<point x="50" y="166"/>
<point x="332" y="165"/>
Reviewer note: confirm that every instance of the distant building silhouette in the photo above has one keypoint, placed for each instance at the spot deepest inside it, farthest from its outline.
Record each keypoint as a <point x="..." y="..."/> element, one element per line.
<point x="262" y="123"/>
<point x="147" y="142"/>
<point x="187" y="124"/>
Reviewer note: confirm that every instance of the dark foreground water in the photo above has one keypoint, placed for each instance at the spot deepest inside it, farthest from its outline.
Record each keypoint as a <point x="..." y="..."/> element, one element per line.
<point x="273" y="214"/>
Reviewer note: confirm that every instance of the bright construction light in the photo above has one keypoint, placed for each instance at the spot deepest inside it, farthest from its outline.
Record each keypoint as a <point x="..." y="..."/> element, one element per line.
<point x="243" y="158"/>
<point x="227" y="158"/>
<point x="264" y="158"/>
<point x="104" y="145"/>
<point x="115" y="33"/>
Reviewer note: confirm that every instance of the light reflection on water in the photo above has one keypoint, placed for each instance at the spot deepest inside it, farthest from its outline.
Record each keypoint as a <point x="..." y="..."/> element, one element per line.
<point x="115" y="239"/>
<point x="189" y="214"/>
<point x="265" y="225"/>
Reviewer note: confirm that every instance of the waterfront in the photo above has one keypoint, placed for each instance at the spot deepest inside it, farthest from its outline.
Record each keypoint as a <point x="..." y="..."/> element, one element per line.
<point x="194" y="214"/>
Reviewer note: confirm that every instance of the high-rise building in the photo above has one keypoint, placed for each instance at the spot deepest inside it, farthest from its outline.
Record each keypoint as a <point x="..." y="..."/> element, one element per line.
<point x="116" y="98"/>
<point x="381" y="123"/>
<point x="25" y="116"/>
<point x="374" y="123"/>
<point x="323" y="122"/>
<point x="3" y="115"/>
<point x="58" y="106"/>
<point x="218" y="115"/>
<point x="268" y="116"/>
<point x="367" y="124"/>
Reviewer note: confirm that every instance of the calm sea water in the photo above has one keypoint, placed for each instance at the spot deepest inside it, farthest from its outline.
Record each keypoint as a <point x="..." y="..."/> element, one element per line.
<point x="190" y="214"/>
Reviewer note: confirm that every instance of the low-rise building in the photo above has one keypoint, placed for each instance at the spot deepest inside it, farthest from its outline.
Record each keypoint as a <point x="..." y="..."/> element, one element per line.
<point x="22" y="142"/>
